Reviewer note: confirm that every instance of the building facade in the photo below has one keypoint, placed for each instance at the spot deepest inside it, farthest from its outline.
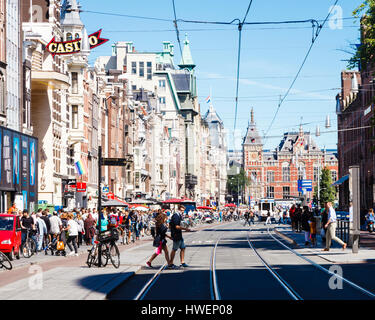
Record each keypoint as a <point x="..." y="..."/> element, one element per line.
<point x="275" y="173"/>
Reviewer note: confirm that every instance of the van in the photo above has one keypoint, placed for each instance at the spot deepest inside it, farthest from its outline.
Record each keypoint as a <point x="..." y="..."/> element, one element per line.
<point x="10" y="235"/>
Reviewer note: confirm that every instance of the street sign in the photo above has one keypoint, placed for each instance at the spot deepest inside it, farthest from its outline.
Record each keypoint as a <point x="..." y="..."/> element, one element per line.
<point x="119" y="162"/>
<point x="304" y="185"/>
<point x="105" y="189"/>
<point x="81" y="187"/>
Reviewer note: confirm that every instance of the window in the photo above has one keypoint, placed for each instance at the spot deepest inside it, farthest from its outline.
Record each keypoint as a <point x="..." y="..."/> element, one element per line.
<point x="286" y="172"/>
<point x="77" y="36"/>
<point x="149" y="71"/>
<point x="334" y="175"/>
<point x="74" y="82"/>
<point x="286" y="192"/>
<point x="69" y="37"/>
<point x="162" y="100"/>
<point x="161" y="172"/>
<point x="270" y="192"/>
<point x="270" y="176"/>
<point x="316" y="173"/>
<point x="74" y="117"/>
<point x="134" y="67"/>
<point x="141" y="69"/>
<point x="162" y="84"/>
<point x="301" y="172"/>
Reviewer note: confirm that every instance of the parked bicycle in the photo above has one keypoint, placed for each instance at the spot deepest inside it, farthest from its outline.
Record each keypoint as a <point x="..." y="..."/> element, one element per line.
<point x="28" y="248"/>
<point x="5" y="262"/>
<point x="109" y="250"/>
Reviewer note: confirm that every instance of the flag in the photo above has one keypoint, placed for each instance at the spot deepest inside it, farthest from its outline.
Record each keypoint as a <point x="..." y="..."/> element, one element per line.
<point x="80" y="168"/>
<point x="208" y="99"/>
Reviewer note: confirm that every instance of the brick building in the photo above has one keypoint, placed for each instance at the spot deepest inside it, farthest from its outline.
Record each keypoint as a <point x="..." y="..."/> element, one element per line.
<point x="275" y="173"/>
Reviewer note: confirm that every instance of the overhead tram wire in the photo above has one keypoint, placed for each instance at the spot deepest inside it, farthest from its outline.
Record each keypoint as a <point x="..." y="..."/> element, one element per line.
<point x="302" y="65"/>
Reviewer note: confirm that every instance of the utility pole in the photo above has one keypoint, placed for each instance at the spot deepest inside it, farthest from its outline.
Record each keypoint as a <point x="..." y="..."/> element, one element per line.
<point x="354" y="188"/>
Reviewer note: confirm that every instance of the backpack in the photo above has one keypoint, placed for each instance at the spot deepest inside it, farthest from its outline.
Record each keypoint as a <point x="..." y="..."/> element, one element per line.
<point x="113" y="220"/>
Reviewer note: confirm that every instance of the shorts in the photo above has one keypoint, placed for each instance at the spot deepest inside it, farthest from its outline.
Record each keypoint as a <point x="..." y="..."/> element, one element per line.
<point x="178" y="244"/>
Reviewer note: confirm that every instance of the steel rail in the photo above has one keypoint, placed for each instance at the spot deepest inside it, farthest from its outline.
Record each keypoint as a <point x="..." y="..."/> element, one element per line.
<point x="283" y="283"/>
<point x="372" y="295"/>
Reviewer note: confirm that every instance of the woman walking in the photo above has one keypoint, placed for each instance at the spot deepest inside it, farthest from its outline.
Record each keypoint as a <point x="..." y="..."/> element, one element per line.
<point x="89" y="227"/>
<point x="72" y="229"/>
<point x="161" y="234"/>
<point x="305" y="218"/>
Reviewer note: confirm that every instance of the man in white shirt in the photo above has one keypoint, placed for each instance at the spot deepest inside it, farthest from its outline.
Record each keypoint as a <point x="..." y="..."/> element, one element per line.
<point x="331" y="228"/>
<point x="56" y="225"/>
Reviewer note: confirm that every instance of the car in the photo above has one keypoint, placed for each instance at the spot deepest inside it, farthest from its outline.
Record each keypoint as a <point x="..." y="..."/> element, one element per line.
<point x="10" y="235"/>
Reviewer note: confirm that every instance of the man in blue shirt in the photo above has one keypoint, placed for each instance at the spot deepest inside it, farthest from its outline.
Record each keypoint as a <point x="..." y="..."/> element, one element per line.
<point x="331" y="228"/>
<point x="178" y="241"/>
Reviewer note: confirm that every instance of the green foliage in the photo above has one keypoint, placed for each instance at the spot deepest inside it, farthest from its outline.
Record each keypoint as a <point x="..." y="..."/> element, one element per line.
<point x="237" y="182"/>
<point x="366" y="51"/>
<point x="327" y="192"/>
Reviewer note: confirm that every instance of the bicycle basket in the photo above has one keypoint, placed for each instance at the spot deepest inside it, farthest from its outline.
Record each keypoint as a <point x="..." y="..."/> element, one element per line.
<point x="110" y="235"/>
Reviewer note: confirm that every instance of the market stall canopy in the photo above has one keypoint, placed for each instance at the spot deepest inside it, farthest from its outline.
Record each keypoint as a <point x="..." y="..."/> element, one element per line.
<point x="114" y="203"/>
<point x="204" y="208"/>
<point x="177" y="201"/>
<point x="230" y="205"/>
<point x="144" y="201"/>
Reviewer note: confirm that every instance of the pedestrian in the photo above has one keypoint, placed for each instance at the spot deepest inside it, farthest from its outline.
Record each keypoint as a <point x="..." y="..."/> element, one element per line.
<point x="178" y="241"/>
<point x="268" y="220"/>
<point x="42" y="231"/>
<point x="89" y="226"/>
<point x="292" y="212"/>
<point x="103" y="221"/>
<point x="298" y="218"/>
<point x="13" y="209"/>
<point x="72" y="230"/>
<point x="160" y="235"/>
<point x="56" y="225"/>
<point x="46" y="220"/>
<point x="81" y="229"/>
<point x="305" y="225"/>
<point x="370" y="220"/>
<point x="331" y="228"/>
<point x="312" y="223"/>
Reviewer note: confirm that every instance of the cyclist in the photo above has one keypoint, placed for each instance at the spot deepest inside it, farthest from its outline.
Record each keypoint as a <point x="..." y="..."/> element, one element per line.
<point x="27" y="224"/>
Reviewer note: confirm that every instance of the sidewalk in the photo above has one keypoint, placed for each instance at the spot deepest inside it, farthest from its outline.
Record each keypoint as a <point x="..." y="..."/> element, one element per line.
<point x="366" y="254"/>
<point x="69" y="278"/>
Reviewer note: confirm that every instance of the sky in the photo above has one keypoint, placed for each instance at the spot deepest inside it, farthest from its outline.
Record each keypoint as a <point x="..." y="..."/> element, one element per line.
<point x="270" y="57"/>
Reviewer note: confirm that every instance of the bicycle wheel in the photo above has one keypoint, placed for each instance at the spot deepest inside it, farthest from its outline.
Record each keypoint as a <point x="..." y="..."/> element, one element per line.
<point x="114" y="255"/>
<point x="27" y="249"/>
<point x="105" y="254"/>
<point x="4" y="262"/>
<point x="91" y="257"/>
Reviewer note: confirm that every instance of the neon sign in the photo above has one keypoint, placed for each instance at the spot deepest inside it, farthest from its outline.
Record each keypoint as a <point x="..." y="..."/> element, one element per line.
<point x="74" y="46"/>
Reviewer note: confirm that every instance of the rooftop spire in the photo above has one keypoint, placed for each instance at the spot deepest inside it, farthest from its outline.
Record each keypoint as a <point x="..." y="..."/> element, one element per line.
<point x="187" y="59"/>
<point x="70" y="13"/>
<point x="252" y="116"/>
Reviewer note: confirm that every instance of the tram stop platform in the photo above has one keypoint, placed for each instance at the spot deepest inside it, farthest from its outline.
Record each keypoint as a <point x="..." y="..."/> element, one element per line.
<point x="366" y="252"/>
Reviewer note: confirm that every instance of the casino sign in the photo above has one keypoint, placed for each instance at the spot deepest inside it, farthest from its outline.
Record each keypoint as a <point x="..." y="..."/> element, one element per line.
<point x="74" y="46"/>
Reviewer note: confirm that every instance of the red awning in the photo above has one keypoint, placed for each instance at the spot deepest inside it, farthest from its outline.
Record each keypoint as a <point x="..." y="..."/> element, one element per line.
<point x="177" y="201"/>
<point x="230" y="205"/>
<point x="204" y="208"/>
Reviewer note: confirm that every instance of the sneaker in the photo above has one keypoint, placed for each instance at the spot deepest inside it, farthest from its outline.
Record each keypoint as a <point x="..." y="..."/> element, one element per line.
<point x="76" y="254"/>
<point x="184" y="265"/>
<point x="148" y="264"/>
<point x="71" y="253"/>
<point x="172" y="267"/>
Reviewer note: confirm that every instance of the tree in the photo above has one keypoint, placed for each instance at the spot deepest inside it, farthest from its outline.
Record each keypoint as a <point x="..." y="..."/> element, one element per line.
<point x="236" y="183"/>
<point x="365" y="52"/>
<point x="327" y="191"/>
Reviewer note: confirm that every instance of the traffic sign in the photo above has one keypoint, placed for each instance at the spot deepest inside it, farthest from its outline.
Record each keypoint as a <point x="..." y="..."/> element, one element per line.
<point x="304" y="185"/>
<point x="105" y="189"/>
<point x="119" y="162"/>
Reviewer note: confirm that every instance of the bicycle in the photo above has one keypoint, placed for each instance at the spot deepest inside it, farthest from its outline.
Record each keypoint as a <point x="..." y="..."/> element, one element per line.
<point x="109" y="250"/>
<point x="28" y="248"/>
<point x="5" y="262"/>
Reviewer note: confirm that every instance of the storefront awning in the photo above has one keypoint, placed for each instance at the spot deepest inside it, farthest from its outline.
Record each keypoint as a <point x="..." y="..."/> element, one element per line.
<point x="341" y="180"/>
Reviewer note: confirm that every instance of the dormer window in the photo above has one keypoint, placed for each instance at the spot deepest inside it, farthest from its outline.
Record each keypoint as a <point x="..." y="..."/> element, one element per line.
<point x="69" y="37"/>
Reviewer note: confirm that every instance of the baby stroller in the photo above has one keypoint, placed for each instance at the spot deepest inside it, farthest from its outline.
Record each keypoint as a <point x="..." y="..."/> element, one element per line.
<point x="58" y="244"/>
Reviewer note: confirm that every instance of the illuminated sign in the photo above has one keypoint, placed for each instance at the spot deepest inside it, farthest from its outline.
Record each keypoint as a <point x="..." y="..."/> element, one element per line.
<point x="74" y="46"/>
